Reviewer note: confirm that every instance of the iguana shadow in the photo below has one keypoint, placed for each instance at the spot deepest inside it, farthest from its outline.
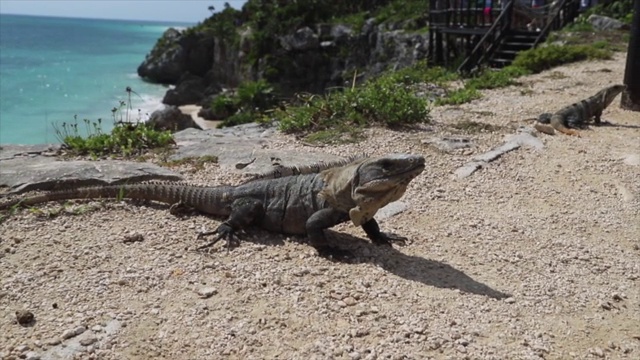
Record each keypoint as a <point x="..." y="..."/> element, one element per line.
<point x="610" y="124"/>
<point x="414" y="268"/>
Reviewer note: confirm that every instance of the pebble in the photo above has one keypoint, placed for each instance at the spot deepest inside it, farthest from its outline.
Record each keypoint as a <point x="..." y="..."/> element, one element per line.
<point x="69" y="333"/>
<point x="207" y="292"/>
<point x="88" y="340"/>
<point x="24" y="317"/>
<point x="32" y="355"/>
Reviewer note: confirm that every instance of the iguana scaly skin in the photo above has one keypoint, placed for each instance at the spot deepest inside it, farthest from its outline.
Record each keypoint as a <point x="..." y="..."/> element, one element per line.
<point x="297" y="205"/>
<point x="279" y="171"/>
<point x="577" y="115"/>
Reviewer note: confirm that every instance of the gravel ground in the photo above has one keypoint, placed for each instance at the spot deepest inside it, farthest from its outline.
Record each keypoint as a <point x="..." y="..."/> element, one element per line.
<point x="535" y="256"/>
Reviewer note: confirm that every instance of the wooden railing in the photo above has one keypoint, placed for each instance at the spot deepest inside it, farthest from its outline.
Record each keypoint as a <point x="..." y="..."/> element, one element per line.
<point x="490" y="42"/>
<point x="565" y="13"/>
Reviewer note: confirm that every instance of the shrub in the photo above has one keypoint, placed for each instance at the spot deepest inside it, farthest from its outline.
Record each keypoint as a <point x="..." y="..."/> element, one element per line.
<point x="459" y="96"/>
<point x="546" y="57"/>
<point x="126" y="138"/>
<point x="380" y="101"/>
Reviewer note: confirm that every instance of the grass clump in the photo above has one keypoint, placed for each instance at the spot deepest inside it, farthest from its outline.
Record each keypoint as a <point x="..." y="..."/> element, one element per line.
<point x="546" y="57"/>
<point x="459" y="96"/>
<point x="491" y="79"/>
<point x="382" y="101"/>
<point x="127" y="138"/>
<point x="246" y="105"/>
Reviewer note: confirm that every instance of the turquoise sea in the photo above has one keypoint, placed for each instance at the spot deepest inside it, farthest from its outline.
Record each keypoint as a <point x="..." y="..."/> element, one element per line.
<point x="52" y="69"/>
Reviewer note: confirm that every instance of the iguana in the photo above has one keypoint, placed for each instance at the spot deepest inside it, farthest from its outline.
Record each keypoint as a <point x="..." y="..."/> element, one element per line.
<point x="577" y="115"/>
<point x="297" y="205"/>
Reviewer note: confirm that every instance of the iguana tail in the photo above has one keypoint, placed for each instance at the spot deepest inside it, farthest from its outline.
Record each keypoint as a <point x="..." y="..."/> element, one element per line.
<point x="547" y="123"/>
<point x="206" y="199"/>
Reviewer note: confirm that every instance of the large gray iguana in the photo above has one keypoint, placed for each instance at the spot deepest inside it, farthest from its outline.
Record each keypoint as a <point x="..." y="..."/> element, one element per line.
<point x="297" y="205"/>
<point x="577" y="115"/>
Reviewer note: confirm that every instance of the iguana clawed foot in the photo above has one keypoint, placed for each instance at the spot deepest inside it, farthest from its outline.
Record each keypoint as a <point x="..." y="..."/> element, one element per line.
<point x="330" y="252"/>
<point x="387" y="239"/>
<point x="224" y="231"/>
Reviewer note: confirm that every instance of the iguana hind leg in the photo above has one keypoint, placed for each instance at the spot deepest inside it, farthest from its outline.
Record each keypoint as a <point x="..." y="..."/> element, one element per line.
<point x="378" y="237"/>
<point x="244" y="212"/>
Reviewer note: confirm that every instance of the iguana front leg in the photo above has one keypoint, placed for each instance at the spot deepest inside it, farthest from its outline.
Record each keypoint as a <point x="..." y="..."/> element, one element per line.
<point x="378" y="237"/>
<point x="244" y="212"/>
<point x="317" y="223"/>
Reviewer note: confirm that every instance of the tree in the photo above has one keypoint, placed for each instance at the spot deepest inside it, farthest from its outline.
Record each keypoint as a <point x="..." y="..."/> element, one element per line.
<point x="630" y="98"/>
<point x="211" y="8"/>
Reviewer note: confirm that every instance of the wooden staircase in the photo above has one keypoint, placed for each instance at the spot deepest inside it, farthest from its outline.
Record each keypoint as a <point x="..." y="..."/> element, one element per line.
<point x="513" y="42"/>
<point x="478" y="38"/>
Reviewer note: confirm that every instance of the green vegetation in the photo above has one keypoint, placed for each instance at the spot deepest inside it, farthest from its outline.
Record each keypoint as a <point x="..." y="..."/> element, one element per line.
<point x="619" y="9"/>
<point x="470" y="126"/>
<point x="459" y="96"/>
<point x="388" y="100"/>
<point x="546" y="57"/>
<point x="126" y="139"/>
<point x="247" y="104"/>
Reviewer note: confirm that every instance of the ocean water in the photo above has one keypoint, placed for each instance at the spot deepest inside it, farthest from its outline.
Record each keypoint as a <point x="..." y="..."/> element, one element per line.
<point x="53" y="70"/>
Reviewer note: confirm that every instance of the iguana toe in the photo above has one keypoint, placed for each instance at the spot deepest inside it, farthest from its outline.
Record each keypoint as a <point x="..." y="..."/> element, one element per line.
<point x="334" y="253"/>
<point x="388" y="239"/>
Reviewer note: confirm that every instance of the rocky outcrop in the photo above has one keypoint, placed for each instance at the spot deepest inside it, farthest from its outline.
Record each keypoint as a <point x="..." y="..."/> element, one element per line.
<point x="175" y="54"/>
<point x="171" y="118"/>
<point x="600" y="22"/>
<point x="190" y="90"/>
<point x="309" y="59"/>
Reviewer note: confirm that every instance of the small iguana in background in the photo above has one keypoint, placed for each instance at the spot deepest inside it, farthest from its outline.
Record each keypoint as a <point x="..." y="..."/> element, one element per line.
<point x="577" y="115"/>
<point x="296" y="205"/>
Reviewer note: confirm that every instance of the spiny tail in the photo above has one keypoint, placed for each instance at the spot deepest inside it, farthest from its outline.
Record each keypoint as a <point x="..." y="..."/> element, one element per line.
<point x="206" y="199"/>
<point x="315" y="168"/>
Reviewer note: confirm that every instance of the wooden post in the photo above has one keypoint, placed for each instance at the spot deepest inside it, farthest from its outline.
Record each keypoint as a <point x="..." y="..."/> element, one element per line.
<point x="630" y="98"/>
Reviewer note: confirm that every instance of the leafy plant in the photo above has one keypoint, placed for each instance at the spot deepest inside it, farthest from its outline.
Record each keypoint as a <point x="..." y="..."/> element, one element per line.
<point x="382" y="101"/>
<point x="125" y="139"/>
<point x="459" y="96"/>
<point x="545" y="57"/>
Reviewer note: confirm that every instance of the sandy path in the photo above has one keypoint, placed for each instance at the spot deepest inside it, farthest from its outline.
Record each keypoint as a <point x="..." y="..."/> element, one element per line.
<point x="557" y="230"/>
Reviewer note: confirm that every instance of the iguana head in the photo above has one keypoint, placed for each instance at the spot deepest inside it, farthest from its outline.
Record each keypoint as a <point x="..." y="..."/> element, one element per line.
<point x="380" y="174"/>
<point x="364" y="186"/>
<point x="610" y="93"/>
<point x="381" y="180"/>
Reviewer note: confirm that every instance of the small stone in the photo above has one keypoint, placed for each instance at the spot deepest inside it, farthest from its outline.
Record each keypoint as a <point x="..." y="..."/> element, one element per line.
<point x="68" y="334"/>
<point x="52" y="341"/>
<point x="96" y="328"/>
<point x="461" y="349"/>
<point x="349" y="301"/>
<point x="132" y="237"/>
<point x="32" y="355"/>
<point x="510" y="300"/>
<point x="598" y="352"/>
<point x="80" y="329"/>
<point x="22" y="348"/>
<point x="207" y="292"/>
<point x="616" y="297"/>
<point x="88" y="341"/>
<point x="24" y="317"/>
<point x="355" y="355"/>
